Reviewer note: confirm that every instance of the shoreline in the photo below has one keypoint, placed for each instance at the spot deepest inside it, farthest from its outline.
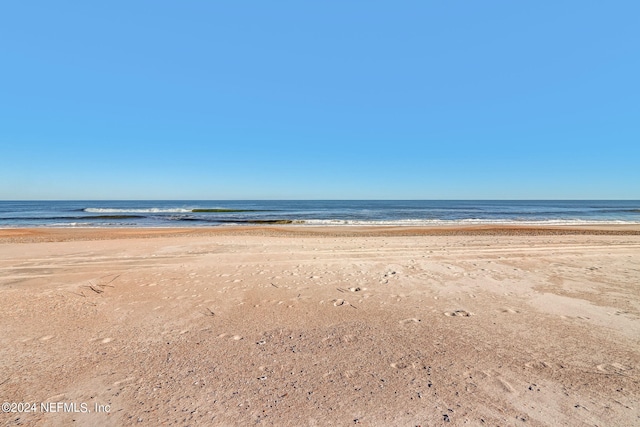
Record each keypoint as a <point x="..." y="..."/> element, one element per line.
<point x="55" y="234"/>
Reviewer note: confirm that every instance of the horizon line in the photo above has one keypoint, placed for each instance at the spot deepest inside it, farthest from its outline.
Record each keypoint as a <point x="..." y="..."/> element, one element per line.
<point x="311" y="200"/>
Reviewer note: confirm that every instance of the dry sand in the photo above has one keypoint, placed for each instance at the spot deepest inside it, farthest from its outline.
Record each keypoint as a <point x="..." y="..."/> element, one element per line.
<point x="301" y="326"/>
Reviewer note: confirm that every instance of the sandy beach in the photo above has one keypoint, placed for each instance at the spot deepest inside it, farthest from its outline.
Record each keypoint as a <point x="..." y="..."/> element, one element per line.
<point x="293" y="326"/>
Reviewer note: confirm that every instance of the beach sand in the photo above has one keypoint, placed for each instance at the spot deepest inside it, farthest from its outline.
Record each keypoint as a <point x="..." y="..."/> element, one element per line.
<point x="321" y="326"/>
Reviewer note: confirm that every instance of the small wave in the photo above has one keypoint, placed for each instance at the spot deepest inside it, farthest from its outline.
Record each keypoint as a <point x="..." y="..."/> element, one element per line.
<point x="187" y="218"/>
<point x="166" y="210"/>
<point x="620" y="210"/>
<point x="134" y="210"/>
<point x="112" y="217"/>
<point x="444" y="222"/>
<point x="271" y="221"/>
<point x="62" y="218"/>
<point x="235" y="221"/>
<point x="222" y="210"/>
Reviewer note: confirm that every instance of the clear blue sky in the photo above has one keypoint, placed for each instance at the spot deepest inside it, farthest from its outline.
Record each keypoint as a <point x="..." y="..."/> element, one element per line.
<point x="319" y="100"/>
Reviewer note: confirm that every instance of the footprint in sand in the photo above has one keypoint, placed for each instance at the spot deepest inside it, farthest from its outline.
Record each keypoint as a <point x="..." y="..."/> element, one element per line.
<point x="349" y="338"/>
<point x="409" y="321"/>
<point x="505" y="385"/>
<point x="126" y="380"/>
<point x="349" y="374"/>
<point x="613" y="367"/>
<point x="538" y="364"/>
<point x="496" y="378"/>
<point x="458" y="313"/>
<point x="102" y="340"/>
<point x="400" y="365"/>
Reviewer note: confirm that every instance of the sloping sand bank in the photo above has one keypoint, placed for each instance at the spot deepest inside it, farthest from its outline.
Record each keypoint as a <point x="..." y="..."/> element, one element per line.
<point x="321" y="326"/>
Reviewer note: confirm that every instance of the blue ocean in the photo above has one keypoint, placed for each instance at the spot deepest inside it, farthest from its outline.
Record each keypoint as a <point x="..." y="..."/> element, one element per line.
<point x="208" y="213"/>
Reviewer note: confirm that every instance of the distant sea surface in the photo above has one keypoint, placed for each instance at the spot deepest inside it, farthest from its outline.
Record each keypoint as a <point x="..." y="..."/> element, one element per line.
<point x="206" y="213"/>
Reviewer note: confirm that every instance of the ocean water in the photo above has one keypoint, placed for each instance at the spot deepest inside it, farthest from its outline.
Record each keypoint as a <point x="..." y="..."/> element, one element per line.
<point x="207" y="213"/>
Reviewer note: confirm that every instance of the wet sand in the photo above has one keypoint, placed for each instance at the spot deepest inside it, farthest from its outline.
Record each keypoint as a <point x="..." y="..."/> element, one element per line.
<point x="322" y="326"/>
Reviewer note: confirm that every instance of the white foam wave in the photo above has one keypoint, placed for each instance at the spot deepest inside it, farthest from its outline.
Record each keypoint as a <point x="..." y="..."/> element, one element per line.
<point x="442" y="222"/>
<point x="130" y="210"/>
